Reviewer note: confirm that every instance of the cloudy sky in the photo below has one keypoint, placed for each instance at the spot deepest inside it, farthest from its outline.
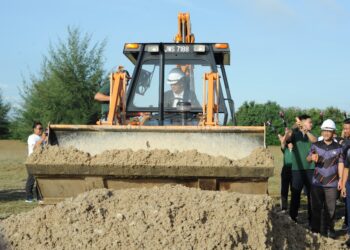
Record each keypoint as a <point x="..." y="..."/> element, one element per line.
<point x="296" y="53"/>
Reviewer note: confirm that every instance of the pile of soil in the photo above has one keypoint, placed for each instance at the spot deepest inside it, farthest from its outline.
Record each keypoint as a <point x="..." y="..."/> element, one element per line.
<point x="170" y="217"/>
<point x="54" y="155"/>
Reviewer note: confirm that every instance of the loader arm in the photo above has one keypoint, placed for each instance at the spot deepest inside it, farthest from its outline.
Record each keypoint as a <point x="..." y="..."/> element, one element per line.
<point x="210" y="99"/>
<point x="117" y="104"/>
<point x="184" y="34"/>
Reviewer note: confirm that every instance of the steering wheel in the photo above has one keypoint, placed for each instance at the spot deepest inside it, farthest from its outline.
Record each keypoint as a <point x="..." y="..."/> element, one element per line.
<point x="171" y="101"/>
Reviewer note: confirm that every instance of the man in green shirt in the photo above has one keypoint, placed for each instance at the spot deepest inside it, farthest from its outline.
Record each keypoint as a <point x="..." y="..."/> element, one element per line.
<point x="302" y="170"/>
<point x="286" y="174"/>
<point x="103" y="96"/>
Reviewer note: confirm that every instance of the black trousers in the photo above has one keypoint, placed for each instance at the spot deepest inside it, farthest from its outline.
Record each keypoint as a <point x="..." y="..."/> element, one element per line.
<point x="29" y="188"/>
<point x="300" y="179"/>
<point x="346" y="212"/>
<point x="286" y="184"/>
<point x="323" y="198"/>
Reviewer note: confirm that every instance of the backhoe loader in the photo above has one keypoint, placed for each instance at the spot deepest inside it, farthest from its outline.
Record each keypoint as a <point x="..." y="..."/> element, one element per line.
<point x="146" y="113"/>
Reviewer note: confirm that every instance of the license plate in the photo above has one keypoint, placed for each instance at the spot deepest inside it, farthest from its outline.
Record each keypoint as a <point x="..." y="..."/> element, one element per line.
<point x="176" y="49"/>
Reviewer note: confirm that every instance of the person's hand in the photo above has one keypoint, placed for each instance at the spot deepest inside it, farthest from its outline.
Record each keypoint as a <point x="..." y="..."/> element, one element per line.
<point x="340" y="184"/>
<point x="314" y="157"/>
<point x="302" y="126"/>
<point x="43" y="137"/>
<point x="298" y="123"/>
<point x="282" y="138"/>
<point x="343" y="192"/>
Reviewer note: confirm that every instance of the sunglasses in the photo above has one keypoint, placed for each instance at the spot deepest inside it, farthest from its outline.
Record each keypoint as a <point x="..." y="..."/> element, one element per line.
<point x="40" y="128"/>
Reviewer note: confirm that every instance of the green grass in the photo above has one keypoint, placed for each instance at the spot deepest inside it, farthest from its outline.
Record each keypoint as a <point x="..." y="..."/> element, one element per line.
<point x="13" y="175"/>
<point x="275" y="181"/>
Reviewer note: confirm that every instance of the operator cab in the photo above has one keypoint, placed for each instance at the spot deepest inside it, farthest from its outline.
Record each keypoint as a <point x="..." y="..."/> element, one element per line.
<point x="168" y="83"/>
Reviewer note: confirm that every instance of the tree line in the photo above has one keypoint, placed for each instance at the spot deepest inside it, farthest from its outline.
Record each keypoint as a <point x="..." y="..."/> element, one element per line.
<point x="70" y="75"/>
<point x="276" y="118"/>
<point x="63" y="90"/>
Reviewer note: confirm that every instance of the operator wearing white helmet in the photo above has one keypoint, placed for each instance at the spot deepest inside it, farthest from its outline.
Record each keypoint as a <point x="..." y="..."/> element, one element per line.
<point x="179" y="90"/>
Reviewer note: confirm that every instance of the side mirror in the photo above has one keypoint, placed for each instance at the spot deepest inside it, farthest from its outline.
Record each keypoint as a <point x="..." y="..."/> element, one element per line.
<point x="144" y="82"/>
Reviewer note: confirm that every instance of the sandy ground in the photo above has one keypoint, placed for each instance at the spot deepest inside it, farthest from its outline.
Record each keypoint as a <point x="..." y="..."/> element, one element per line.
<point x="13" y="173"/>
<point x="170" y="217"/>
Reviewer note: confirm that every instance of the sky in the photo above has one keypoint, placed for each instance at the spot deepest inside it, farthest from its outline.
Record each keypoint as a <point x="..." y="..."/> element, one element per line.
<point x="293" y="52"/>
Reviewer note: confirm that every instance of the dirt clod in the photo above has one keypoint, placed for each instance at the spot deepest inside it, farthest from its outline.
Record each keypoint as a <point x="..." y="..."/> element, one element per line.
<point x="170" y="217"/>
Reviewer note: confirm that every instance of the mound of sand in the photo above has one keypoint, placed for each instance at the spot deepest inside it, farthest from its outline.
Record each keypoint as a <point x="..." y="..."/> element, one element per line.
<point x="170" y="217"/>
<point x="54" y="155"/>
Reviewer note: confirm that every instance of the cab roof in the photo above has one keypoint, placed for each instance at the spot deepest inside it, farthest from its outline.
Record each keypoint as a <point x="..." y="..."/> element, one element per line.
<point x="221" y="50"/>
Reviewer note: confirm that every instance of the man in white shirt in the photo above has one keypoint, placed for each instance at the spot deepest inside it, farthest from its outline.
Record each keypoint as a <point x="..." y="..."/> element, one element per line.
<point x="35" y="140"/>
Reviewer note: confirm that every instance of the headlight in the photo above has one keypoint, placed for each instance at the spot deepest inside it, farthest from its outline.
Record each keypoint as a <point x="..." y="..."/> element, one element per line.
<point x="199" y="48"/>
<point x="152" y="48"/>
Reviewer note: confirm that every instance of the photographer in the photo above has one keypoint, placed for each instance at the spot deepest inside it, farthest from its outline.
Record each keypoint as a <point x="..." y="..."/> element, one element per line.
<point x="35" y="140"/>
<point x="302" y="170"/>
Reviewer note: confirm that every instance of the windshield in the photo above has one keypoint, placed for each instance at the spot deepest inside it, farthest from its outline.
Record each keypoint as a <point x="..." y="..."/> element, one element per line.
<point x="183" y="82"/>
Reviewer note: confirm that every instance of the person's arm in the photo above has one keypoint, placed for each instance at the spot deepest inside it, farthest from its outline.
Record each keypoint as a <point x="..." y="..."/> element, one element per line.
<point x="288" y="134"/>
<point x="340" y="175"/>
<point x="346" y="158"/>
<point x="101" y="97"/>
<point x="282" y="141"/>
<point x="311" y="137"/>
<point x="41" y="141"/>
<point x="344" y="179"/>
<point x="103" y="94"/>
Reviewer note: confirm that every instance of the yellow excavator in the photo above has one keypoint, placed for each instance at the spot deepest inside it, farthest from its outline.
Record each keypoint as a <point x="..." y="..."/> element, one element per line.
<point x="178" y="98"/>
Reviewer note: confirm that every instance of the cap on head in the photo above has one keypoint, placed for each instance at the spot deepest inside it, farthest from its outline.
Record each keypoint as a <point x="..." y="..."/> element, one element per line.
<point x="328" y="125"/>
<point x="175" y="75"/>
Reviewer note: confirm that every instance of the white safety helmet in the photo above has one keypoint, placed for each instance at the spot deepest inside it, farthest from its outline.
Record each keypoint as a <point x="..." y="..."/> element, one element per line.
<point x="328" y="125"/>
<point x="175" y="75"/>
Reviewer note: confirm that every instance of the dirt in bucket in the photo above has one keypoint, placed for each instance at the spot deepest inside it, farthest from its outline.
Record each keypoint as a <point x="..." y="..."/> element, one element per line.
<point x="54" y="155"/>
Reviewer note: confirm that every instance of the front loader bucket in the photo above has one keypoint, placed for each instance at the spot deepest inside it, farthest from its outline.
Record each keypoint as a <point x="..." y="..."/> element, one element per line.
<point x="233" y="142"/>
<point x="57" y="181"/>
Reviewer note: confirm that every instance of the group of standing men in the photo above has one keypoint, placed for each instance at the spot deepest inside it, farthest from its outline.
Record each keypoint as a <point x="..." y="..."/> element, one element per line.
<point x="320" y="167"/>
